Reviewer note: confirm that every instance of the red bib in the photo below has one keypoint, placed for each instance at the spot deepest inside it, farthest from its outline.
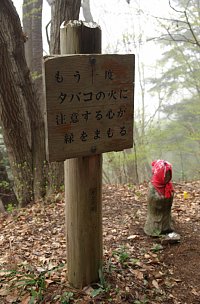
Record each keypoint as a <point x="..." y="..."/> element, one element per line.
<point x="159" y="170"/>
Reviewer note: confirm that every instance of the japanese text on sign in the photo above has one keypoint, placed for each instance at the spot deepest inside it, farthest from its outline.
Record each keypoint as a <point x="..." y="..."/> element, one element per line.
<point x="89" y="104"/>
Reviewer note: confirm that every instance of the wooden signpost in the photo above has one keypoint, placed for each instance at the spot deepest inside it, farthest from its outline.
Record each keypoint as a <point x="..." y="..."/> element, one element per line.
<point x="89" y="104"/>
<point x="89" y="110"/>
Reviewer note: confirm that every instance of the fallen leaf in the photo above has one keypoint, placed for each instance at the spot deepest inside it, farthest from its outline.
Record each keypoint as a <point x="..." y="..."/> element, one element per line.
<point x="25" y="299"/>
<point x="48" y="282"/>
<point x="138" y="274"/>
<point x="155" y="284"/>
<point x="177" y="280"/>
<point x="4" y="291"/>
<point x="132" y="237"/>
<point x="196" y="293"/>
<point x="11" y="298"/>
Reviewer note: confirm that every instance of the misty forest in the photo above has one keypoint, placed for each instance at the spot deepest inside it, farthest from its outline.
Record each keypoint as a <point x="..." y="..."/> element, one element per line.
<point x="166" y="124"/>
<point x="43" y="204"/>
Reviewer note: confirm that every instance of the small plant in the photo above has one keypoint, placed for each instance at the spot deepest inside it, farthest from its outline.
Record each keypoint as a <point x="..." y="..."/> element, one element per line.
<point x="36" y="285"/>
<point x="10" y="273"/>
<point x="4" y="185"/>
<point x="130" y="186"/>
<point x="157" y="233"/>
<point x="62" y="188"/>
<point x="134" y="261"/>
<point x="156" y="248"/>
<point x="138" y="193"/>
<point x="10" y="208"/>
<point x="109" y="268"/>
<point x="122" y="255"/>
<point x="66" y="297"/>
<point x="102" y="286"/>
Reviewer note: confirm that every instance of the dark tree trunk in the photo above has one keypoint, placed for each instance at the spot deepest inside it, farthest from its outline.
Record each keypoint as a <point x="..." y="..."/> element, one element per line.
<point x="62" y="10"/>
<point x="20" y="114"/>
<point x="7" y="195"/>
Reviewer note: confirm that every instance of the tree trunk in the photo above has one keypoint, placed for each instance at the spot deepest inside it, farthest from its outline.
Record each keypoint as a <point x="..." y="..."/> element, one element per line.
<point x="22" y="123"/>
<point x="7" y="195"/>
<point x="38" y="52"/>
<point x="61" y="10"/>
<point x="2" y="209"/>
<point x="27" y="30"/>
<point x="32" y="26"/>
<point x="86" y="11"/>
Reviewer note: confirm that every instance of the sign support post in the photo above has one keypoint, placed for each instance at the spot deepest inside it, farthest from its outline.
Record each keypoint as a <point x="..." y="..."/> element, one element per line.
<point x="89" y="111"/>
<point x="83" y="181"/>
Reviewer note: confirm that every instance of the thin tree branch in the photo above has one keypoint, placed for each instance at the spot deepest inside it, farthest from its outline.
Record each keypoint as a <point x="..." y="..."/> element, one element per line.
<point x="177" y="11"/>
<point x="136" y="161"/>
<point x="47" y="34"/>
<point x="152" y="117"/>
<point x="191" y="30"/>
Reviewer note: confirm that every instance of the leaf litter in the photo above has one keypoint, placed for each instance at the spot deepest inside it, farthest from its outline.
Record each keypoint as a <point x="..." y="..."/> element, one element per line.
<point x="137" y="268"/>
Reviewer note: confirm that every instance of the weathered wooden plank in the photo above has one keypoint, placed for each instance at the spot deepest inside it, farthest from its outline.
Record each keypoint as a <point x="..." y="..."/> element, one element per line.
<point x="89" y="104"/>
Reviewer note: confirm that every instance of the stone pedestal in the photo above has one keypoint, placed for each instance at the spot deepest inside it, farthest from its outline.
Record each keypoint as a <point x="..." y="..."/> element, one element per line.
<point x="158" y="219"/>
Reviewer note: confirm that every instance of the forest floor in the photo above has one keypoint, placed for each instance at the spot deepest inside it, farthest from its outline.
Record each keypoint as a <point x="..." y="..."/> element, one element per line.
<point x="137" y="268"/>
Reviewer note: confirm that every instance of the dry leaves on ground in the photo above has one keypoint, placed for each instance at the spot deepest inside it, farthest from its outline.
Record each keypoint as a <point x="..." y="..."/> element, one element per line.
<point x="137" y="268"/>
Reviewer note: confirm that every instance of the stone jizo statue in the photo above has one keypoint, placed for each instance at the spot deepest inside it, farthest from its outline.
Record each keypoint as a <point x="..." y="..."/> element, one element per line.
<point x="159" y="199"/>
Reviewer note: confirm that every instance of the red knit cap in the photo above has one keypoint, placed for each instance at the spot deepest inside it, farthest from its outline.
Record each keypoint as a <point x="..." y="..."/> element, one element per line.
<point x="159" y="170"/>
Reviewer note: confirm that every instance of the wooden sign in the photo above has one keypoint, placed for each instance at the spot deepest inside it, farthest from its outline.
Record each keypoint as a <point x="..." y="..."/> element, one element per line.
<point x="89" y="104"/>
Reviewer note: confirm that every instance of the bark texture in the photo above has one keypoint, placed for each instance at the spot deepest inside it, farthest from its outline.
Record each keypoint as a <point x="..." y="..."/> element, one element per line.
<point x="32" y="27"/>
<point x="62" y="10"/>
<point x="7" y="195"/>
<point x="86" y="11"/>
<point x="20" y="114"/>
